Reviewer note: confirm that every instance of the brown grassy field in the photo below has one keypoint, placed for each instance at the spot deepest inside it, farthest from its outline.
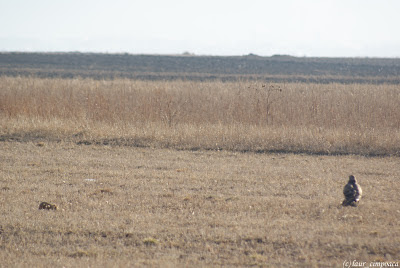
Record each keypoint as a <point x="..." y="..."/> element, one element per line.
<point x="125" y="206"/>
<point x="242" y="116"/>
<point x="183" y="173"/>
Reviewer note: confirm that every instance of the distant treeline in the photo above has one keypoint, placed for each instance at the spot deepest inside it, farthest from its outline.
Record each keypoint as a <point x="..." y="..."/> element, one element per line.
<point x="278" y="68"/>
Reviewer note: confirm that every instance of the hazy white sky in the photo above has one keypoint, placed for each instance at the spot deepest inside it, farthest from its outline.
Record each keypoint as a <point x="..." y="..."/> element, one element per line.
<point x="208" y="27"/>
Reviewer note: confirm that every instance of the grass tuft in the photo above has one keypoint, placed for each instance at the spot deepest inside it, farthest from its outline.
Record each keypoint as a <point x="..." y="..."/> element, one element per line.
<point x="150" y="241"/>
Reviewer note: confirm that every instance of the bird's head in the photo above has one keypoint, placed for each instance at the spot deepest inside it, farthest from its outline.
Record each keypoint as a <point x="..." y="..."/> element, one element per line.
<point x="352" y="179"/>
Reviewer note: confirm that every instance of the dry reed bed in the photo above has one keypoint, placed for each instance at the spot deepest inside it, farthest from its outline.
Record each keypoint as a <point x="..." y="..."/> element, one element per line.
<point x="240" y="116"/>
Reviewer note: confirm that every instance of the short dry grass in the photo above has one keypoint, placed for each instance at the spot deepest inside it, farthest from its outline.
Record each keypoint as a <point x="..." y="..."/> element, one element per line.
<point x="127" y="206"/>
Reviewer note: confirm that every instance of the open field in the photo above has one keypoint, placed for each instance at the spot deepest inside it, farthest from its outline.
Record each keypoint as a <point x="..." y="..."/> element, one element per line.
<point x="127" y="206"/>
<point x="197" y="173"/>
<point x="278" y="68"/>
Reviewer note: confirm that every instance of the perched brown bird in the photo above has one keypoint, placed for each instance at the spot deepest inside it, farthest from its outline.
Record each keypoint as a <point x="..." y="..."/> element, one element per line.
<point x="45" y="205"/>
<point x="352" y="192"/>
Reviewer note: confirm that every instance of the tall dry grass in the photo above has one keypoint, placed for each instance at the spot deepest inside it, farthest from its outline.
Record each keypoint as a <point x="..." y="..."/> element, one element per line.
<point x="245" y="116"/>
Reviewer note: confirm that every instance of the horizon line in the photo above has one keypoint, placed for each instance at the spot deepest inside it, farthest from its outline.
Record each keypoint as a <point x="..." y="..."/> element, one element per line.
<point x="187" y="54"/>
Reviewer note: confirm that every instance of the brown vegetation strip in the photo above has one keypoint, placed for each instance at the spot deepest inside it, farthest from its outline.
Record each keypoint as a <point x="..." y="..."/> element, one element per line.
<point x="241" y="116"/>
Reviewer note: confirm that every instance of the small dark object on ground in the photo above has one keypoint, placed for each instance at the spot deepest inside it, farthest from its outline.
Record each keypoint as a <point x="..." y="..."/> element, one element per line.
<point x="45" y="205"/>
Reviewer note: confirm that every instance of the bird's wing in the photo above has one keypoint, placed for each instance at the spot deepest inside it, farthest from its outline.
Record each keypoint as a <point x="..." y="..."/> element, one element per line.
<point x="348" y="191"/>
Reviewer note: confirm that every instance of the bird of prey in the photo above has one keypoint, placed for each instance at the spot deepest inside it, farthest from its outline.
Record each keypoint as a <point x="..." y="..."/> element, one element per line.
<point x="352" y="192"/>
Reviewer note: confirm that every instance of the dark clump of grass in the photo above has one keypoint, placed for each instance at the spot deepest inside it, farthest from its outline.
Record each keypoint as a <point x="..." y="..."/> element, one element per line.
<point x="150" y="241"/>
